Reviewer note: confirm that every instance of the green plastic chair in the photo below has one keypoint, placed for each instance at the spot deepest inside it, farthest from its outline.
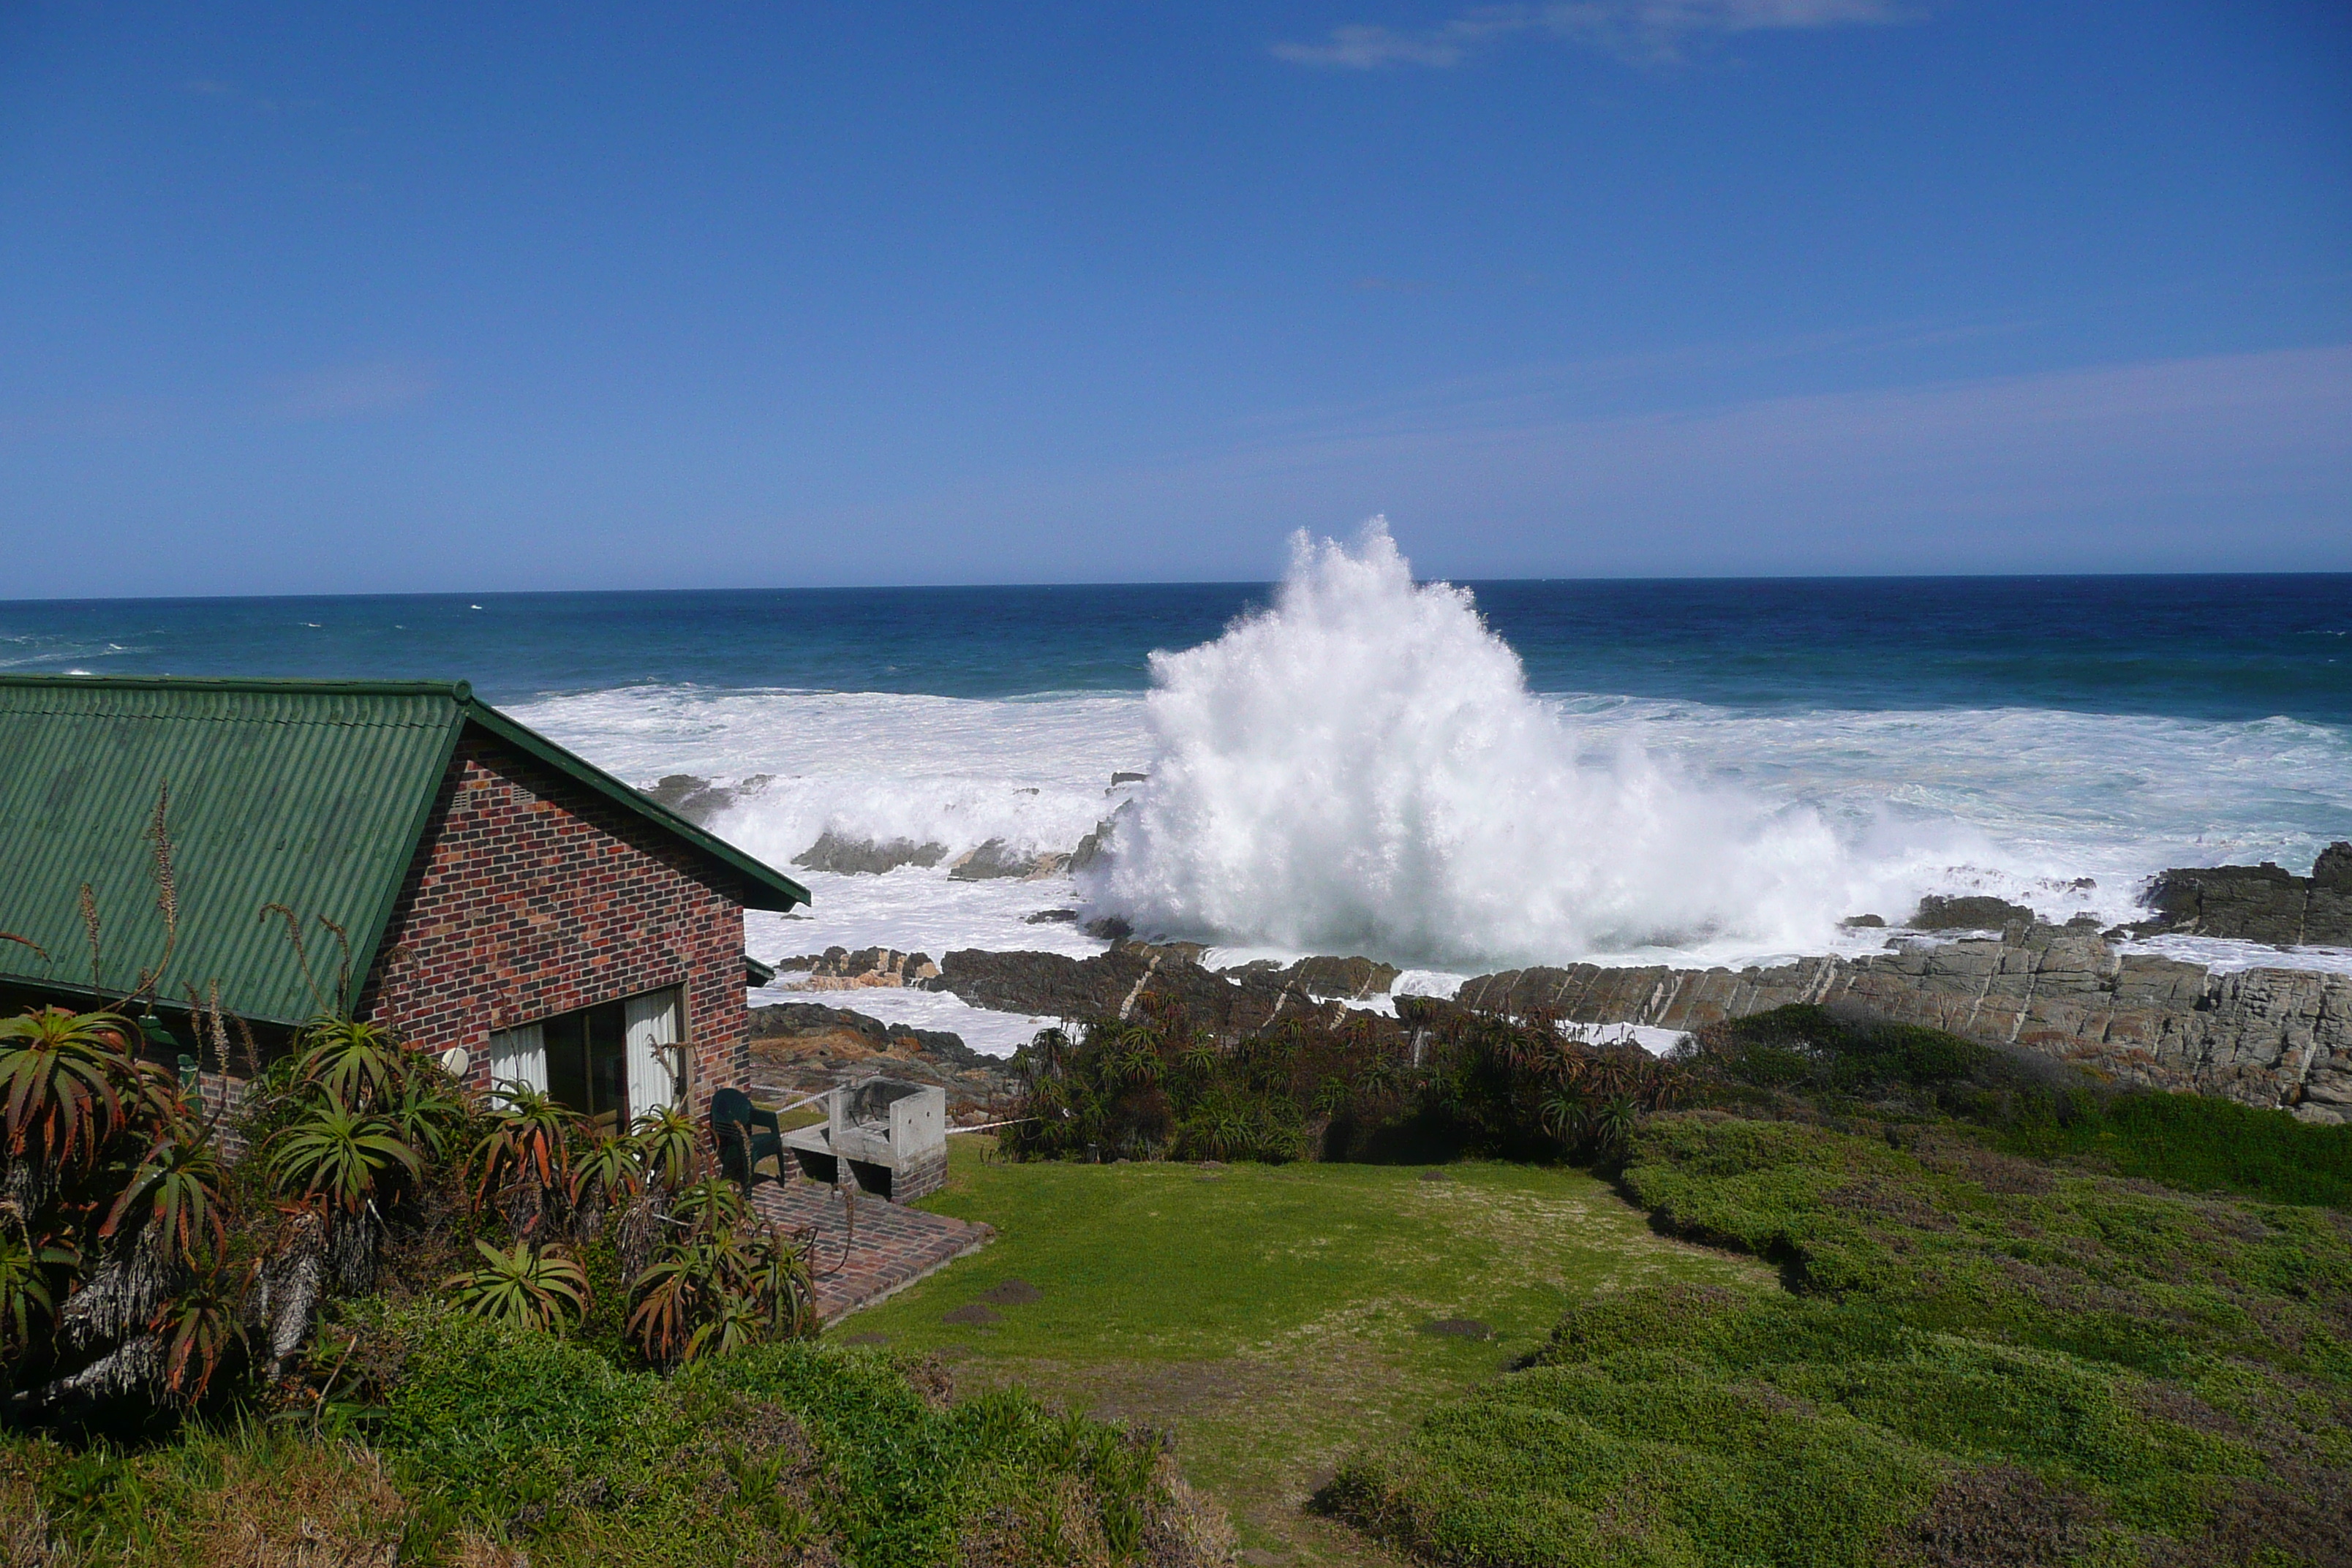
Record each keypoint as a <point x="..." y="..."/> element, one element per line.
<point x="735" y="1130"/>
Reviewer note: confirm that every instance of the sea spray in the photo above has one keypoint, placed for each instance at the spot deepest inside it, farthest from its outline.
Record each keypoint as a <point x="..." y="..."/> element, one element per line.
<point x="1362" y="767"/>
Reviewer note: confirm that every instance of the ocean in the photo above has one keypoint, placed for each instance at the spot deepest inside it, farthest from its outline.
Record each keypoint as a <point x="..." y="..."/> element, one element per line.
<point x="1451" y="777"/>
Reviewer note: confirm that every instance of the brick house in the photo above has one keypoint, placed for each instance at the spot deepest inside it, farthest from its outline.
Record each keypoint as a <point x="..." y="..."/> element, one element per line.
<point x="451" y="874"/>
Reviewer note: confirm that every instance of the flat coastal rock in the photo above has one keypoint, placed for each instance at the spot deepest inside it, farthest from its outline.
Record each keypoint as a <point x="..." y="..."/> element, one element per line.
<point x="1111" y="984"/>
<point x="996" y="859"/>
<point x="842" y="969"/>
<point x="2262" y="1037"/>
<point x="1978" y="913"/>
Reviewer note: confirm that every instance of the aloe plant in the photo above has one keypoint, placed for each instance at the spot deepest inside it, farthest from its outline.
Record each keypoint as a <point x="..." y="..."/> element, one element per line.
<point x="735" y="1322"/>
<point x="181" y="1184"/>
<point x="669" y="1146"/>
<point x="1611" y="1122"/>
<point x="428" y="1112"/>
<point x="199" y="1326"/>
<point x="606" y="1169"/>
<point x="538" y="1288"/>
<point x="357" y="1063"/>
<point x="709" y="1204"/>
<point x="62" y="1078"/>
<point x="717" y="1284"/>
<point x="529" y="1139"/>
<point x="28" y="1264"/>
<point x="340" y="1156"/>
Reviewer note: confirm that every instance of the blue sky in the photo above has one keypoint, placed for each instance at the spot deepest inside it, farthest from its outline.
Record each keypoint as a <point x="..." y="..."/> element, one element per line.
<point x="414" y="297"/>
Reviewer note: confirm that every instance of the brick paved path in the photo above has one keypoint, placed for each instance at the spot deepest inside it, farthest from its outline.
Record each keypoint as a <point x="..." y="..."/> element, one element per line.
<point x="891" y="1247"/>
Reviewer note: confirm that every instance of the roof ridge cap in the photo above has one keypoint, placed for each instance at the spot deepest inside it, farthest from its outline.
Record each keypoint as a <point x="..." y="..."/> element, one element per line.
<point x="457" y="691"/>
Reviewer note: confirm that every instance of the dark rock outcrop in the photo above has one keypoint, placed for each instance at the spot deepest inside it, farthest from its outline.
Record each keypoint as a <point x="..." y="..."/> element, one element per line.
<point x="1092" y="847"/>
<point x="1976" y="912"/>
<point x="2258" y="903"/>
<point x="996" y="859"/>
<point x="1044" y="985"/>
<point x="1109" y="985"/>
<point x="700" y="800"/>
<point x="1097" y="846"/>
<point x="2264" y="1036"/>
<point x="863" y="857"/>
<point x="1352" y="979"/>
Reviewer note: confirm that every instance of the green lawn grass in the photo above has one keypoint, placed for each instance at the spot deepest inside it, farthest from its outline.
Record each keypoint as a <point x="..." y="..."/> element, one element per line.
<point x="1274" y="1318"/>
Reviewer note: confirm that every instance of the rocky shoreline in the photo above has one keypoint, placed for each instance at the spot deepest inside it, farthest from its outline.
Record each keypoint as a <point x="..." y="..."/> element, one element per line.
<point x="2277" y="1038"/>
<point x="2266" y="1036"/>
<point x="805" y="1047"/>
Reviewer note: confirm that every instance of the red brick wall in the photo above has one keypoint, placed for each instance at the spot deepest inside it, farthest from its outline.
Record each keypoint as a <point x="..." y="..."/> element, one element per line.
<point x="531" y="895"/>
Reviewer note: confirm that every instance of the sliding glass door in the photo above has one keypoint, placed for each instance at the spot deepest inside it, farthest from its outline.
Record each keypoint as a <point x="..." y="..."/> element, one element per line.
<point x="612" y="1063"/>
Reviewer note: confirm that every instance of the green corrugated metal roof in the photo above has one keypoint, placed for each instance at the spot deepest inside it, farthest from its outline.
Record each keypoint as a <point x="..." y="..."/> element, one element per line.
<point x="313" y="795"/>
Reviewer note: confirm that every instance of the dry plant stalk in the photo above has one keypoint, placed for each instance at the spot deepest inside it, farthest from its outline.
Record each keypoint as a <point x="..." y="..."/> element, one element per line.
<point x="301" y="957"/>
<point x="27" y="941"/>
<point x="344" y="970"/>
<point x="89" y="926"/>
<point x="167" y="892"/>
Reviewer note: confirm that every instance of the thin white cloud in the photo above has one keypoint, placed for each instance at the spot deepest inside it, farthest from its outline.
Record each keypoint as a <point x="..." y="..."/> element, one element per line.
<point x="351" y="391"/>
<point x="2236" y="462"/>
<point x="1650" y="30"/>
<point x="1370" y="48"/>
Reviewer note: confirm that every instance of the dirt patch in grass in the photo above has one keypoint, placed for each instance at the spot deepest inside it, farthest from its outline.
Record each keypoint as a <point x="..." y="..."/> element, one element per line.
<point x="1460" y="1329"/>
<point x="1013" y="1293"/>
<point x="1260" y="1436"/>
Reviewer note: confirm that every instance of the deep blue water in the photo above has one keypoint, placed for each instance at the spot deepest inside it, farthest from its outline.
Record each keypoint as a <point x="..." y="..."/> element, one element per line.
<point x="2225" y="647"/>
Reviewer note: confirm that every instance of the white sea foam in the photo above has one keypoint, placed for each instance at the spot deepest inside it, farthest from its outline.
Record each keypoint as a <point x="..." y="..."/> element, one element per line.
<point x="1361" y="769"/>
<point x="873" y="765"/>
<point x="2231" y="957"/>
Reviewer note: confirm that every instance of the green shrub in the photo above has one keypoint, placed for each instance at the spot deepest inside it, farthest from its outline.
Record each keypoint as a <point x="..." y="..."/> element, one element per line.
<point x="1639" y="1459"/>
<point x="491" y="1439"/>
<point x="2201" y="1143"/>
<point x="1162" y="1085"/>
<point x="510" y="1432"/>
<point x="2096" y="1362"/>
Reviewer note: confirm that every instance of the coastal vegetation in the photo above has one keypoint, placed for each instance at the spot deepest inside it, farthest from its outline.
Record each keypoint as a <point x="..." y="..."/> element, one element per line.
<point x="1440" y="1082"/>
<point x="467" y="1441"/>
<point x="410" y="1324"/>
<point x="1817" y="1288"/>
<point x="2025" y="1315"/>
<point x="1978" y="1358"/>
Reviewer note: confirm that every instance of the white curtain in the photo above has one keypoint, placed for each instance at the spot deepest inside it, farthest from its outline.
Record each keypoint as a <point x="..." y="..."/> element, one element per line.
<point x="653" y="1065"/>
<point x="519" y="1053"/>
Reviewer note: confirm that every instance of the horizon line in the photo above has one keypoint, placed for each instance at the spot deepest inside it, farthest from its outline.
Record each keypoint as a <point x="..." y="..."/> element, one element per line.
<point x="53" y="600"/>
